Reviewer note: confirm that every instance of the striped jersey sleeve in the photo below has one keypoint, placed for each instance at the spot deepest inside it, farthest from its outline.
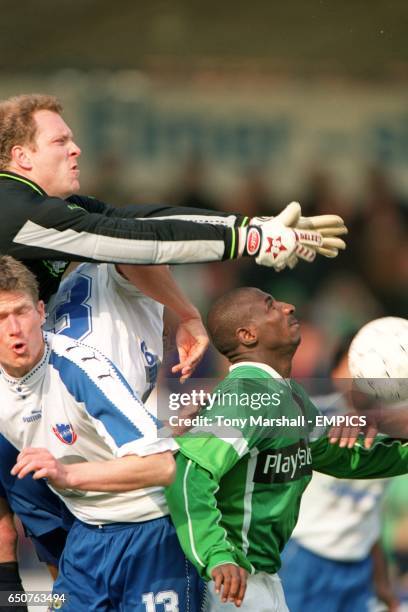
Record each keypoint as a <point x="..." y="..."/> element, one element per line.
<point x="198" y="520"/>
<point x="116" y="411"/>
<point x="79" y="229"/>
<point x="207" y="453"/>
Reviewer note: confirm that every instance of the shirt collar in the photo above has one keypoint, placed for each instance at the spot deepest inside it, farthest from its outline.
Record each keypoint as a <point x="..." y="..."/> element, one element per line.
<point x="29" y="379"/>
<point x="7" y="174"/>
<point x="262" y="366"/>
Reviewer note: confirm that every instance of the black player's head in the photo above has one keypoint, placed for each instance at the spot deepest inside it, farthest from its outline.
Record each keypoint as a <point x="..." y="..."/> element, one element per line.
<point x="248" y="322"/>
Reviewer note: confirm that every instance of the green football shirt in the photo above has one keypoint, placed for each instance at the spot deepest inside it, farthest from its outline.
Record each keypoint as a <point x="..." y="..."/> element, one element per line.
<point x="241" y="474"/>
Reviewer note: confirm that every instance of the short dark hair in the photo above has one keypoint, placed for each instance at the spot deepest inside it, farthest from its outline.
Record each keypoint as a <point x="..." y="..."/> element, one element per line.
<point x="230" y="311"/>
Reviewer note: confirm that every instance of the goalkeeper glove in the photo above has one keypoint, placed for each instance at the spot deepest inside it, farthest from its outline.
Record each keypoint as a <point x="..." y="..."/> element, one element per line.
<point x="312" y="235"/>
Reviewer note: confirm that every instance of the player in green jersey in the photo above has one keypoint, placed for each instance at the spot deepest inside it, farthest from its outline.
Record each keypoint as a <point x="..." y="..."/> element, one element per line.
<point x="239" y="481"/>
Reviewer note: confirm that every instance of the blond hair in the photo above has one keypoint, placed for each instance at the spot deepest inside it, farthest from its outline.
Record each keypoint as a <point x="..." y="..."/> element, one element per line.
<point x="15" y="276"/>
<point x="17" y="124"/>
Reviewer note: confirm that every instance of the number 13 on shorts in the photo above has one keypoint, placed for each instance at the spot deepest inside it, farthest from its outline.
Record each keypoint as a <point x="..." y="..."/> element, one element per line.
<point x="168" y="598"/>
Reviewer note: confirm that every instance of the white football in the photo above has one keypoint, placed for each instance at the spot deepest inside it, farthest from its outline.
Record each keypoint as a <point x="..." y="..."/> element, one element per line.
<point x="378" y="359"/>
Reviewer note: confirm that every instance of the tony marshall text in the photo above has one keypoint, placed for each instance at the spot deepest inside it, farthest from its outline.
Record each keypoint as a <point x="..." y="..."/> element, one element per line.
<point x="260" y="421"/>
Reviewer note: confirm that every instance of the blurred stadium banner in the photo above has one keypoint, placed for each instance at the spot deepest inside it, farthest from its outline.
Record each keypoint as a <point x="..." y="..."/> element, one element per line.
<point x="285" y="130"/>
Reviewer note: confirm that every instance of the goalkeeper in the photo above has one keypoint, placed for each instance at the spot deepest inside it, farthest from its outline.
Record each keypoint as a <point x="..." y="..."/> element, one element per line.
<point x="51" y="224"/>
<point x="237" y="493"/>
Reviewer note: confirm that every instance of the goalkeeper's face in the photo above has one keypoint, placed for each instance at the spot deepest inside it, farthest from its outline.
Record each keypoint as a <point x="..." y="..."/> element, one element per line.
<point x="277" y="326"/>
<point x="52" y="160"/>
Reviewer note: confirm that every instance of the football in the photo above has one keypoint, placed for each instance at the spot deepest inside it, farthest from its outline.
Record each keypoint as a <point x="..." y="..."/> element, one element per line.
<point x="378" y="359"/>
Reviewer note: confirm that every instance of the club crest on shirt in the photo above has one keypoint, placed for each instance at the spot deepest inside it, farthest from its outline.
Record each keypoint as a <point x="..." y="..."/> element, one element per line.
<point x="65" y="433"/>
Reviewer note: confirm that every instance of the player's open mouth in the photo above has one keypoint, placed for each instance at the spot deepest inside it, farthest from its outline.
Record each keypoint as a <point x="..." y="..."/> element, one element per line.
<point x="19" y="347"/>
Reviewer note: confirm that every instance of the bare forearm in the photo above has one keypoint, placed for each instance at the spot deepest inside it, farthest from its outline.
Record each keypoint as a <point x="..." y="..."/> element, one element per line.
<point x="120" y="475"/>
<point x="158" y="283"/>
<point x="191" y="336"/>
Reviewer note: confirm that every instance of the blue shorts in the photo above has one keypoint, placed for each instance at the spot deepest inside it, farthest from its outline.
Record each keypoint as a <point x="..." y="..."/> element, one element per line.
<point x="127" y="567"/>
<point x="311" y="582"/>
<point x="49" y="546"/>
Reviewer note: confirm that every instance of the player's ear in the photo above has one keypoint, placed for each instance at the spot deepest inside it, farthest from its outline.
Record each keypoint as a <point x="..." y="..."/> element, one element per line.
<point x="41" y="311"/>
<point x="20" y="157"/>
<point x="247" y="336"/>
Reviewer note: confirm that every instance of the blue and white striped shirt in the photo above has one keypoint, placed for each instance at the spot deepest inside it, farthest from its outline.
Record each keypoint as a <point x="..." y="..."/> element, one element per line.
<point x="77" y="404"/>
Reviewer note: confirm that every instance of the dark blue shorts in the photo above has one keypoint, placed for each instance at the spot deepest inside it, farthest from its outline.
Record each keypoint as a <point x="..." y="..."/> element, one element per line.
<point x="312" y="582"/>
<point x="127" y="567"/>
<point x="49" y="546"/>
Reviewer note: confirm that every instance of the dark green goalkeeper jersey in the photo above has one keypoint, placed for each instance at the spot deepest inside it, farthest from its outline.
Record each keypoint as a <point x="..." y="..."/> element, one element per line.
<point x="241" y="474"/>
<point x="46" y="232"/>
